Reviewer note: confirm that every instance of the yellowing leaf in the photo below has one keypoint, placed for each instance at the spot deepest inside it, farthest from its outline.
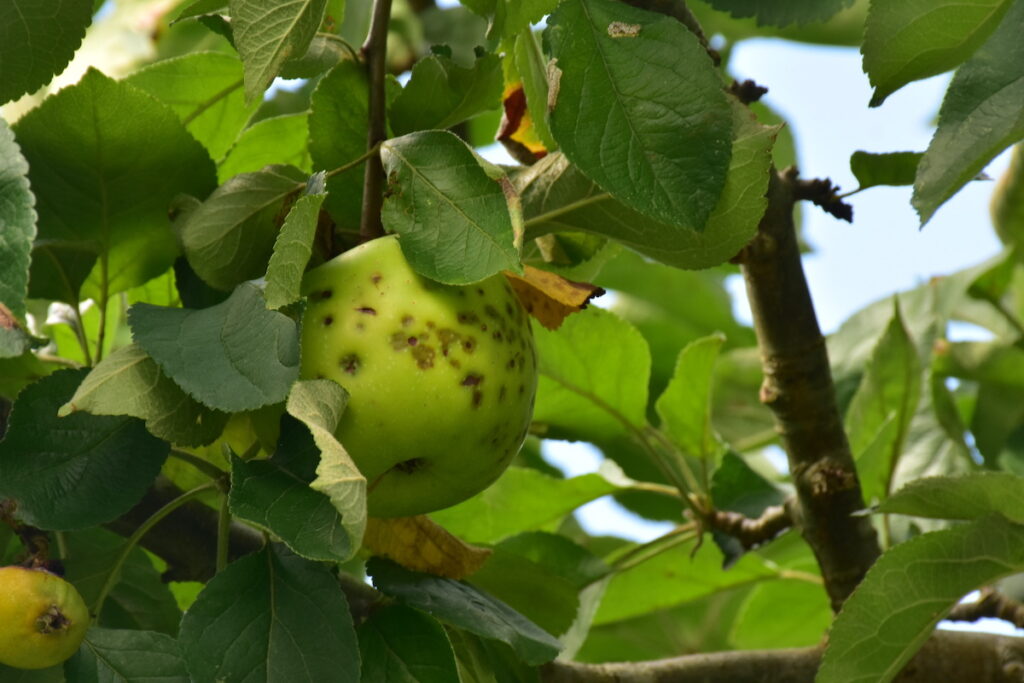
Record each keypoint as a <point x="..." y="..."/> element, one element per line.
<point x="551" y="298"/>
<point x="420" y="544"/>
<point x="517" y="132"/>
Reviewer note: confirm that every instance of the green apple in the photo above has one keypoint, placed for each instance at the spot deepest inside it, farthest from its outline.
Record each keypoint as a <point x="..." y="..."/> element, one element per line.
<point x="441" y="379"/>
<point x="42" y="618"/>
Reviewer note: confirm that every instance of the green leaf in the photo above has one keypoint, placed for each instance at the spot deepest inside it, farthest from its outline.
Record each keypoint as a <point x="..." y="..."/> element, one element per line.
<point x="676" y="576"/>
<point x="55" y="674"/>
<point x="129" y="382"/>
<point x="538" y="499"/>
<point x="292" y="612"/>
<point x="481" y="660"/>
<point x="234" y="356"/>
<point x="400" y="644"/>
<point x="127" y="655"/>
<point x="464" y="606"/>
<point x="337" y="136"/>
<point x="139" y="599"/>
<point x="118" y="214"/>
<point x="967" y="496"/>
<point x="272" y="498"/>
<point x="782" y="13"/>
<point x="325" y="51"/>
<point x="294" y="246"/>
<point x="532" y="69"/>
<point x="18" y="217"/>
<point x="593" y="377"/>
<point x="644" y="80"/>
<point x="890" y="389"/>
<point x="37" y="40"/>
<point x="453" y="219"/>
<point x="1007" y="204"/>
<point x="908" y="590"/>
<point x="318" y="404"/>
<point x="267" y="33"/>
<point x="205" y="90"/>
<point x="229" y="238"/>
<point x="981" y="115"/>
<point x="685" y="407"/>
<point x="893" y="168"/>
<point x="77" y="471"/>
<point x="761" y="625"/>
<point x="557" y="197"/>
<point x="440" y="93"/>
<point x="281" y="139"/>
<point x="905" y="41"/>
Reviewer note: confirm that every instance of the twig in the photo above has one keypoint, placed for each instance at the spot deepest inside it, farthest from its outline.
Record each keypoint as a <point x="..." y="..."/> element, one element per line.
<point x="747" y="91"/>
<point x="374" y="52"/>
<point x="798" y="388"/>
<point x="822" y="192"/>
<point x="751" y="532"/>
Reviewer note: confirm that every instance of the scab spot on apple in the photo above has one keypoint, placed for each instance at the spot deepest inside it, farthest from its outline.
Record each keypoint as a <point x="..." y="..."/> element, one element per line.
<point x="472" y="379"/>
<point x="349" y="364"/>
<point x="368" y="310"/>
<point x="424" y="356"/>
<point x="478" y="398"/>
<point x="325" y="294"/>
<point x="408" y="320"/>
<point x="468" y="318"/>
<point x="411" y="465"/>
<point x="328" y="320"/>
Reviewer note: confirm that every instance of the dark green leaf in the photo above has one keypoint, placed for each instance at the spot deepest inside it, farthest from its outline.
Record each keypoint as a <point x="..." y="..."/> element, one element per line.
<point x="461" y="605"/>
<point x="645" y="80"/>
<point x="76" y="471"/>
<point x="281" y="139"/>
<point x="440" y="93"/>
<point x="981" y="115"/>
<point x="908" y="590"/>
<point x="37" y="40"/>
<point x="234" y="356"/>
<point x="139" y="599"/>
<point x="292" y="612"/>
<point x="539" y="500"/>
<point x="228" y="239"/>
<point x="294" y="246"/>
<point x="325" y="51"/>
<point x="782" y="13"/>
<point x="761" y="624"/>
<point x="967" y="496"/>
<point x="97" y="196"/>
<point x="400" y="644"/>
<point x="205" y="90"/>
<point x="274" y="499"/>
<point x="129" y="382"/>
<point x="452" y="216"/>
<point x="905" y="41"/>
<point x="557" y="197"/>
<point x="593" y="377"/>
<point x="127" y="655"/>
<point x="337" y="136"/>
<point x="268" y="32"/>
<point x="18" y="217"/>
<point x="893" y="168"/>
<point x="481" y="660"/>
<point x="55" y="674"/>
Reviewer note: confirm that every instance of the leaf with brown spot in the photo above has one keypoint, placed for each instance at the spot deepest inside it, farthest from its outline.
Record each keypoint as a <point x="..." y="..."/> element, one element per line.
<point x="551" y="298"/>
<point x="517" y="132"/>
<point x="420" y="544"/>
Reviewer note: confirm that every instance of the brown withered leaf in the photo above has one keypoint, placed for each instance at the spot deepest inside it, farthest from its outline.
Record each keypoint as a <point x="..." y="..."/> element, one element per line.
<point x="420" y="544"/>
<point x="551" y="298"/>
<point x="516" y="132"/>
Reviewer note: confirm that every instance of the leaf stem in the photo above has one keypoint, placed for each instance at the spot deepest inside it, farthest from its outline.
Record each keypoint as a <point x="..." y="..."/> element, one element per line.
<point x="372" y="152"/>
<point x="540" y="219"/>
<point x="645" y="551"/>
<point x="223" y="532"/>
<point x="80" y="332"/>
<point x="103" y="302"/>
<point x="115" y="570"/>
<point x="374" y="52"/>
<point x="204" y="466"/>
<point x="210" y="101"/>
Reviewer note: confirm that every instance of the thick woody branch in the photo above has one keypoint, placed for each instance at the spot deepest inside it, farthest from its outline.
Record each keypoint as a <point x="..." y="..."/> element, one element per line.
<point x="375" y="53"/>
<point x="798" y="388"/>
<point x="947" y="656"/>
<point x="991" y="604"/>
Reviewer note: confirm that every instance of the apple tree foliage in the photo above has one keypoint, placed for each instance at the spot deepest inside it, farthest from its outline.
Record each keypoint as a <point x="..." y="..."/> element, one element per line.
<point x="160" y="201"/>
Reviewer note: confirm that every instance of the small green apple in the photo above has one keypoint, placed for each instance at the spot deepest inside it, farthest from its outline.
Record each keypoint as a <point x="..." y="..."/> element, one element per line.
<point x="441" y="379"/>
<point x="42" y="618"/>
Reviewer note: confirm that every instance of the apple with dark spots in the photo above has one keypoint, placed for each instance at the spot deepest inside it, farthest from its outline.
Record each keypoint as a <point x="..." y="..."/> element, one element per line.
<point x="441" y="378"/>
<point x="43" y="619"/>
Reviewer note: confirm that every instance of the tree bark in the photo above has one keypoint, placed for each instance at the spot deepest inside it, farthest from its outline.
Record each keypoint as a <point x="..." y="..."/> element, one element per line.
<point x="798" y="388"/>
<point x="947" y="656"/>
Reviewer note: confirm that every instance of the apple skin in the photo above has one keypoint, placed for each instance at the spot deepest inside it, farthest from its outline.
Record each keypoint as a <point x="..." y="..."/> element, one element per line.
<point x="42" y="618"/>
<point x="441" y="378"/>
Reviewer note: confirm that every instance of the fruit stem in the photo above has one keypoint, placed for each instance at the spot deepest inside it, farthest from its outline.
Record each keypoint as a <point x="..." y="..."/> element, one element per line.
<point x="374" y="52"/>
<point x="115" y="570"/>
